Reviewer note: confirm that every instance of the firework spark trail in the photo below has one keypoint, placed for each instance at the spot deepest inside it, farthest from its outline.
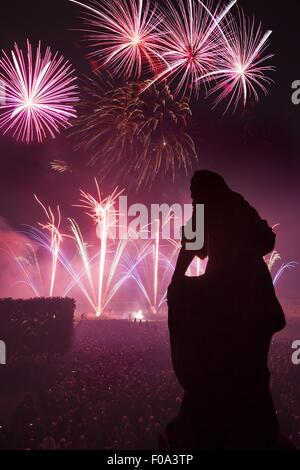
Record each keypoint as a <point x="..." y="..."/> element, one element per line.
<point x="284" y="267"/>
<point x="192" y="42"/>
<point x="40" y="93"/>
<point x="116" y="262"/>
<point x="30" y="260"/>
<point x="150" y="130"/>
<point x="27" y="265"/>
<point x="123" y="34"/>
<point x="184" y="39"/>
<point x="150" y="258"/>
<point x="60" y="166"/>
<point x="155" y="260"/>
<point x="240" y="73"/>
<point x="108" y="271"/>
<point x="126" y="264"/>
<point x="44" y="241"/>
<point x="133" y="271"/>
<point x="273" y="258"/>
<point x="82" y="249"/>
<point x="76" y="279"/>
<point x="197" y="267"/>
<point x="89" y="263"/>
<point x="53" y="227"/>
<point x="125" y="274"/>
<point x="103" y="214"/>
<point x="135" y="265"/>
<point x="113" y="271"/>
<point x="157" y="257"/>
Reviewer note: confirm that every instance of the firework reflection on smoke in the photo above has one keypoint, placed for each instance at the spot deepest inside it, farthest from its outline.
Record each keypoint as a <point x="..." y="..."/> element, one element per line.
<point x="39" y="93"/>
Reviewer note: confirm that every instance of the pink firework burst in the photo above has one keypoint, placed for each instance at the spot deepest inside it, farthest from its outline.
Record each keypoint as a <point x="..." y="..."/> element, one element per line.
<point x="39" y="93"/>
<point x="192" y="41"/>
<point x="122" y="34"/>
<point x="241" y="72"/>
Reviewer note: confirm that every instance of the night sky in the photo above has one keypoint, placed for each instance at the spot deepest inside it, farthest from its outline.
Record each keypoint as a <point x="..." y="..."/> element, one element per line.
<point x="257" y="151"/>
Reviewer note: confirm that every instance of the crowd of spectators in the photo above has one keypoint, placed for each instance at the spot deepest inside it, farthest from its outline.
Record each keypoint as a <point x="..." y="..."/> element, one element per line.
<point x="36" y="325"/>
<point x="115" y="389"/>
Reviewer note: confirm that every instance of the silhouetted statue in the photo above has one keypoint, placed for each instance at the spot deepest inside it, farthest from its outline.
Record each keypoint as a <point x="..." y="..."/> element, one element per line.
<point x="221" y="325"/>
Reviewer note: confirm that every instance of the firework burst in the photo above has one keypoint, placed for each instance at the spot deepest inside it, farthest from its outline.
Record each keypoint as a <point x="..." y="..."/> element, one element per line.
<point x="241" y="72"/>
<point x="123" y="34"/>
<point x="192" y="42"/>
<point x="39" y="93"/>
<point x="189" y="43"/>
<point x="60" y="166"/>
<point x="139" y="133"/>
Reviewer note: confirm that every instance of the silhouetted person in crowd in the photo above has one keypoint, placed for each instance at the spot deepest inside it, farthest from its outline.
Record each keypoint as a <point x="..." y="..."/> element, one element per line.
<point x="221" y="325"/>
